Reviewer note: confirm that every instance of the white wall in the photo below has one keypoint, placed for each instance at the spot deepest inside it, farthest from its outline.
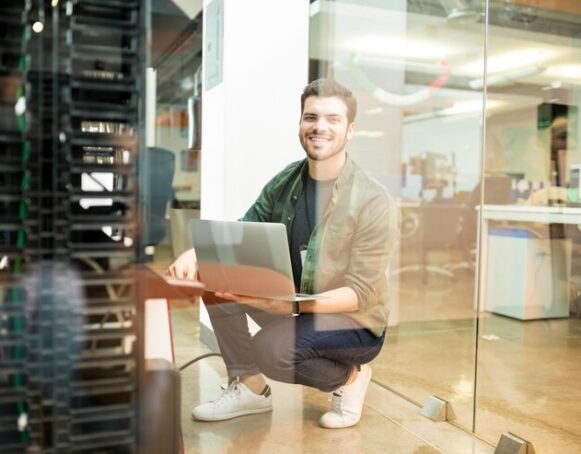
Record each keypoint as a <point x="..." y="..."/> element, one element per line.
<point x="250" y="120"/>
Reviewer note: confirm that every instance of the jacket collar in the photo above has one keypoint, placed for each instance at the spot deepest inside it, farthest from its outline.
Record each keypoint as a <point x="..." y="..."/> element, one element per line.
<point x="344" y="175"/>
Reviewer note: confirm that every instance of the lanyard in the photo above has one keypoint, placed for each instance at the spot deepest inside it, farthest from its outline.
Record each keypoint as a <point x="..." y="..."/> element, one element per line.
<point x="306" y="192"/>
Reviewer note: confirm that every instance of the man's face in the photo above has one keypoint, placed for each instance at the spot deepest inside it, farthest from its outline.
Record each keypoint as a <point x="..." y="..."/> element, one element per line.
<point x="324" y="129"/>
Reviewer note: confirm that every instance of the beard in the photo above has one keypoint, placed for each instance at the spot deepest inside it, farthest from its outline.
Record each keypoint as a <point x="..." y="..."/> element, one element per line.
<point x="323" y="153"/>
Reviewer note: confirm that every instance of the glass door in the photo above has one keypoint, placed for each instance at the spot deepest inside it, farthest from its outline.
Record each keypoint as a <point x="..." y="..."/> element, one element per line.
<point x="417" y="70"/>
<point x="529" y="327"/>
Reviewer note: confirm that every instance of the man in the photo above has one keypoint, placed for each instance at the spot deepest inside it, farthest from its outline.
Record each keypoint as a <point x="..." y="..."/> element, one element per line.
<point x="342" y="228"/>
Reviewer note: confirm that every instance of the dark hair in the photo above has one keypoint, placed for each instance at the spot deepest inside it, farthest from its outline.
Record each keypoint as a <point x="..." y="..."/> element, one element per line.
<point x="329" y="87"/>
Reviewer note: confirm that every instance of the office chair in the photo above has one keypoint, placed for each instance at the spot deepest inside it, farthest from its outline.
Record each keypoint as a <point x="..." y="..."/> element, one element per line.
<point x="156" y="169"/>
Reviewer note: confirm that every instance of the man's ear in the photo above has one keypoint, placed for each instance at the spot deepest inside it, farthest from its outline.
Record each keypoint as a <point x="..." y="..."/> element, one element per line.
<point x="350" y="129"/>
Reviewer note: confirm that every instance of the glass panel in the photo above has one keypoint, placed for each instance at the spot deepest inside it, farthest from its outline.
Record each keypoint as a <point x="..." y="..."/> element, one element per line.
<point x="83" y="198"/>
<point x="178" y="109"/>
<point x="70" y="140"/>
<point x="415" y="67"/>
<point x="528" y="346"/>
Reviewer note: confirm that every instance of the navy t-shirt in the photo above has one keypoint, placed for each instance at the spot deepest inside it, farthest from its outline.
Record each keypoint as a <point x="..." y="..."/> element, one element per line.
<point x="308" y="210"/>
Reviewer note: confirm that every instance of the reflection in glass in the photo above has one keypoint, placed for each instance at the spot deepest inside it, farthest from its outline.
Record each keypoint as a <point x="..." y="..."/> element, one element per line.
<point x="527" y="348"/>
<point x="419" y="133"/>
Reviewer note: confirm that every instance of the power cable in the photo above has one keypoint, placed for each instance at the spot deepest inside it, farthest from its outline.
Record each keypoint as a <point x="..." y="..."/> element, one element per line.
<point x="198" y="358"/>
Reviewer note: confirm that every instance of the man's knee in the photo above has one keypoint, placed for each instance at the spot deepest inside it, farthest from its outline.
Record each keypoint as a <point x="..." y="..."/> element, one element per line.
<point x="274" y="353"/>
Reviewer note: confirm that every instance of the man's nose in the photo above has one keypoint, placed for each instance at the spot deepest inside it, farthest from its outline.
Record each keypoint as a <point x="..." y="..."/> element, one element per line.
<point x="320" y="125"/>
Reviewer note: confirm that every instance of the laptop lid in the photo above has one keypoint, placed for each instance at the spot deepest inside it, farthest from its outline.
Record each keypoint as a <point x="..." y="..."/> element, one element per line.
<point x="244" y="258"/>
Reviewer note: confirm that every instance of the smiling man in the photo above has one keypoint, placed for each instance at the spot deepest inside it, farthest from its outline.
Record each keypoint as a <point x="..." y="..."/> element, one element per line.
<point x="342" y="228"/>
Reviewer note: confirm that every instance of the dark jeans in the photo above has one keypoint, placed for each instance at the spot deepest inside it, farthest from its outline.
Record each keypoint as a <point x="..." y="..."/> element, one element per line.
<point x="317" y="350"/>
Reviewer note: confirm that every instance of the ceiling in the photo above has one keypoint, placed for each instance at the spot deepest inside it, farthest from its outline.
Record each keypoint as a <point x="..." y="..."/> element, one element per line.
<point x="536" y="59"/>
<point x="176" y="47"/>
<point x="171" y="23"/>
<point x="528" y="47"/>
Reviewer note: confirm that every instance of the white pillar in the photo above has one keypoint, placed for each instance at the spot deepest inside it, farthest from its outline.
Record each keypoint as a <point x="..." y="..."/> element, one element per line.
<point x="250" y="120"/>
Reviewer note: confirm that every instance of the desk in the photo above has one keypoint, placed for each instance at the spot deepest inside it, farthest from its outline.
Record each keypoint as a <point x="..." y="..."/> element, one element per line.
<point x="527" y="213"/>
<point x="517" y="213"/>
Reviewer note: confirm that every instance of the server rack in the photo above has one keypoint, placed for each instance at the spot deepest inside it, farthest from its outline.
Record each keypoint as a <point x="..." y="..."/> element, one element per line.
<point x="70" y="134"/>
<point x="14" y="186"/>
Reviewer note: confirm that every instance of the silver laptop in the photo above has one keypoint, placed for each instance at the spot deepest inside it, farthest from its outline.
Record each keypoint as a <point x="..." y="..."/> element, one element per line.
<point x="245" y="258"/>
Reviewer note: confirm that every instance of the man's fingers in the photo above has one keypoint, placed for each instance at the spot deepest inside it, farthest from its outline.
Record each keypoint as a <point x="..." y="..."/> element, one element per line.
<point x="184" y="266"/>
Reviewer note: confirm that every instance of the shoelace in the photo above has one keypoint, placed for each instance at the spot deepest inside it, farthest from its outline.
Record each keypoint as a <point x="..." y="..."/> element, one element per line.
<point x="228" y="394"/>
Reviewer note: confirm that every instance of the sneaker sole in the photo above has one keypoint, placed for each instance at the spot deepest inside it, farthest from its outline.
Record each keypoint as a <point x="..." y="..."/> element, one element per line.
<point x="339" y="426"/>
<point x="234" y="414"/>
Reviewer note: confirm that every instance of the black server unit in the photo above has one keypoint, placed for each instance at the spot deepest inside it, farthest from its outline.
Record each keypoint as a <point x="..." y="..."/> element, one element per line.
<point x="71" y="114"/>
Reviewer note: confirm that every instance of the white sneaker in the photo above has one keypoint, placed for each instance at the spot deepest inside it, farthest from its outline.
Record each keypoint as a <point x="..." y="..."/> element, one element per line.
<point x="347" y="402"/>
<point x="236" y="400"/>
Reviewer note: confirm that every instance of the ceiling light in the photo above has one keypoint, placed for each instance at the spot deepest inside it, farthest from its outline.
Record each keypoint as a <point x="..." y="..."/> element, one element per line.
<point x="368" y="134"/>
<point x="374" y="111"/>
<point x="464" y="107"/>
<point x="37" y="27"/>
<point x="565" y="71"/>
<point x="505" y="62"/>
<point x="187" y="84"/>
<point x="503" y="79"/>
<point x="398" y="47"/>
<point x="402" y="64"/>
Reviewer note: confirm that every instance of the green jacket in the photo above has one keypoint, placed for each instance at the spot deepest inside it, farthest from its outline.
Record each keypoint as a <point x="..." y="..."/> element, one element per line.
<point x="353" y="243"/>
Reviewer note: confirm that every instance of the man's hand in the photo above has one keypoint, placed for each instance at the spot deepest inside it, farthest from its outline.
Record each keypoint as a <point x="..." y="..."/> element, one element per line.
<point x="275" y="307"/>
<point x="185" y="266"/>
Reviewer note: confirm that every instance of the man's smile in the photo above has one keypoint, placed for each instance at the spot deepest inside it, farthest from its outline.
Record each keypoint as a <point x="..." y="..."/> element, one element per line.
<point x="319" y="140"/>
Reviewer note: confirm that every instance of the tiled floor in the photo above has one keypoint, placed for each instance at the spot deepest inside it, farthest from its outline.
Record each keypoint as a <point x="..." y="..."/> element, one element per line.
<point x="527" y="382"/>
<point x="389" y="424"/>
<point x="527" y="375"/>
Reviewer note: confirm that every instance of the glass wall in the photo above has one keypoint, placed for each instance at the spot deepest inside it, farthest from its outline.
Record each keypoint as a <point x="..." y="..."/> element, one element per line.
<point x="83" y="198"/>
<point x="469" y="115"/>
<point x="419" y="131"/>
<point x="71" y="141"/>
<point x="529" y="326"/>
<point x="176" y="67"/>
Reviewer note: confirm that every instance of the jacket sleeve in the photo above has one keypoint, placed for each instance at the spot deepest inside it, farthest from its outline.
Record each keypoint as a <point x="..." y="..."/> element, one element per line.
<point x="373" y="244"/>
<point x="262" y="209"/>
